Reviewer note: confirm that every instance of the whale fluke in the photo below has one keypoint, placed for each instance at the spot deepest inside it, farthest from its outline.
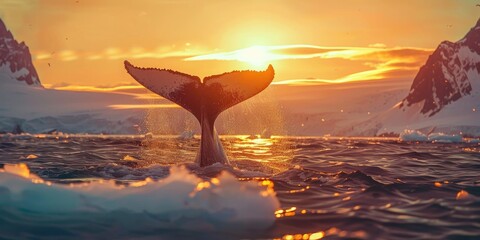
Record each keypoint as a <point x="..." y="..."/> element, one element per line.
<point x="204" y="99"/>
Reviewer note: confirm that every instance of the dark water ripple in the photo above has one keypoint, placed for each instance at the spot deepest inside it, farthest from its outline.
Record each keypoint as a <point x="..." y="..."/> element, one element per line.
<point x="347" y="188"/>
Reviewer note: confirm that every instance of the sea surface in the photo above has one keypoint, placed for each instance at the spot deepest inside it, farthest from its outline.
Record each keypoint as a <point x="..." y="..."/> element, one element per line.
<point x="329" y="188"/>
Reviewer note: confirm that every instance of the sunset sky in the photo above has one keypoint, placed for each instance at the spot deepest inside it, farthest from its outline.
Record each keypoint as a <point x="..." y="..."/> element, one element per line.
<point x="84" y="42"/>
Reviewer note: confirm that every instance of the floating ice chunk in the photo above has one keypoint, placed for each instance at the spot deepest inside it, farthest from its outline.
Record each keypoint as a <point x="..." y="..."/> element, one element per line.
<point x="417" y="136"/>
<point x="23" y="136"/>
<point x="445" y="138"/>
<point x="474" y="140"/>
<point x="181" y="198"/>
<point x="413" y="136"/>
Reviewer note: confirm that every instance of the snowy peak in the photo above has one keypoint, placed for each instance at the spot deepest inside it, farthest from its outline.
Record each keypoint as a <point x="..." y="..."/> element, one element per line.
<point x="15" y="60"/>
<point x="449" y="74"/>
<point x="4" y="31"/>
<point x="472" y="39"/>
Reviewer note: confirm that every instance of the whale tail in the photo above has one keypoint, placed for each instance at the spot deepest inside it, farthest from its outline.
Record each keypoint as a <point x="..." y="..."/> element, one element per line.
<point x="204" y="99"/>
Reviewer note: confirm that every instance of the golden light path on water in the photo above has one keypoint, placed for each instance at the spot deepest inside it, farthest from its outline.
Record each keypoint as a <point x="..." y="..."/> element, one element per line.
<point x="257" y="146"/>
<point x="330" y="232"/>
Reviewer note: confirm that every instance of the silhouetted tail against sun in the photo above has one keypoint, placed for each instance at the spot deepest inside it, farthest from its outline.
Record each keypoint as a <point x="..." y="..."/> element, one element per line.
<point x="204" y="99"/>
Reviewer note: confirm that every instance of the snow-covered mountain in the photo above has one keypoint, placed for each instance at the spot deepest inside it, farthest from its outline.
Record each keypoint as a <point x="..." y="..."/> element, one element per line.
<point x="444" y="96"/>
<point x="15" y="60"/>
<point x="26" y="106"/>
<point x="449" y="74"/>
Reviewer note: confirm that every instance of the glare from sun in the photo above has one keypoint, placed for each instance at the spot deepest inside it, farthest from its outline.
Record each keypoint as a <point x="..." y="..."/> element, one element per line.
<point x="256" y="55"/>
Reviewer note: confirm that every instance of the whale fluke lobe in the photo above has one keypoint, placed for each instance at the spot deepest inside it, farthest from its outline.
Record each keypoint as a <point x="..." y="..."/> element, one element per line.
<point x="177" y="87"/>
<point x="204" y="99"/>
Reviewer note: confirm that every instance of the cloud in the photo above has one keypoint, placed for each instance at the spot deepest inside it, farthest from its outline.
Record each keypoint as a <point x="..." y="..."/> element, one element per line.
<point x="68" y="55"/>
<point x="272" y="53"/>
<point x="269" y="53"/>
<point x="42" y="56"/>
<point x="377" y="45"/>
<point x="135" y="90"/>
<point x="113" y="53"/>
<point x="383" y="62"/>
<point x="122" y="88"/>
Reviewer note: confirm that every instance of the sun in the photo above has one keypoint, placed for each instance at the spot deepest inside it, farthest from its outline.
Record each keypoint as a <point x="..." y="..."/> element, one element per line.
<point x="257" y="55"/>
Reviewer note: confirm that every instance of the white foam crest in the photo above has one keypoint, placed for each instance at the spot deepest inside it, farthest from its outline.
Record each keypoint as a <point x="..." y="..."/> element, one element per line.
<point x="182" y="195"/>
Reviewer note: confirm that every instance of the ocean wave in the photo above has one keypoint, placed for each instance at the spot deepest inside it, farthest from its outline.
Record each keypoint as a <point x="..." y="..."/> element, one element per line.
<point x="336" y="188"/>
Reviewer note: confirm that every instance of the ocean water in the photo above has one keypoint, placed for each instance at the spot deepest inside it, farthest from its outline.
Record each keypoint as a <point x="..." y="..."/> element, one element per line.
<point x="279" y="188"/>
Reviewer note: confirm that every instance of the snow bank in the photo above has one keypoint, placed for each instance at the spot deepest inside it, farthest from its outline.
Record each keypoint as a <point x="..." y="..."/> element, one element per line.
<point x="82" y="123"/>
<point x="180" y="198"/>
<point x="417" y="136"/>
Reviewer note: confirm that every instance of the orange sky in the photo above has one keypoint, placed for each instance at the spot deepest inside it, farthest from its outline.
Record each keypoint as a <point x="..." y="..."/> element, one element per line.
<point x="308" y="42"/>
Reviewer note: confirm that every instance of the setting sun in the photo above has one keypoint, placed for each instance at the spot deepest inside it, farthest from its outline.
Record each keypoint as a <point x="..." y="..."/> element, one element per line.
<point x="256" y="55"/>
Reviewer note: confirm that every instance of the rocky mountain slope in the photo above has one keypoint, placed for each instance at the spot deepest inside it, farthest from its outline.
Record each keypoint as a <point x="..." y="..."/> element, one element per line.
<point x="446" y="77"/>
<point x="15" y="60"/>
<point x="444" y="96"/>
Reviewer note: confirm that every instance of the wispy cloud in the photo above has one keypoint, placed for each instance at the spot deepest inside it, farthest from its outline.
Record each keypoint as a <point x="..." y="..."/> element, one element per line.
<point x="384" y="62"/>
<point x="68" y="55"/>
<point x="122" y="88"/>
<point x="137" y="91"/>
<point x="273" y="53"/>
<point x="113" y="53"/>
